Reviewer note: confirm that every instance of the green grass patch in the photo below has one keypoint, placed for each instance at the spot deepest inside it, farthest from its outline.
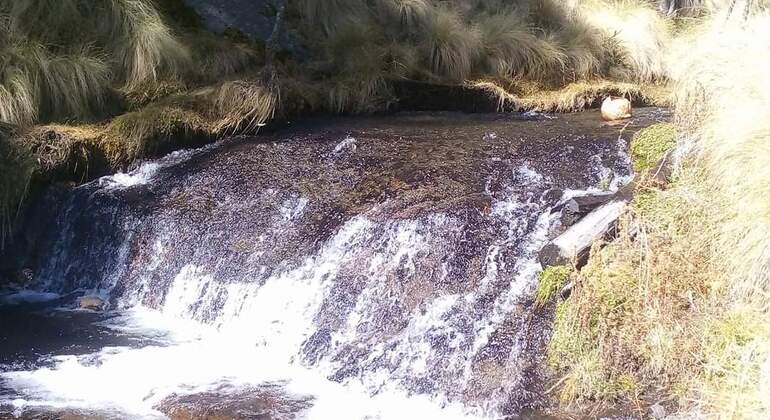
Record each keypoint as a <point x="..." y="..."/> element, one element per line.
<point x="650" y="144"/>
<point x="552" y="279"/>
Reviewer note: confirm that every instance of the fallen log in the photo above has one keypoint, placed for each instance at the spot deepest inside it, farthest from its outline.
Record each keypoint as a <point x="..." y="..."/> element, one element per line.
<point x="576" y="208"/>
<point x="575" y="243"/>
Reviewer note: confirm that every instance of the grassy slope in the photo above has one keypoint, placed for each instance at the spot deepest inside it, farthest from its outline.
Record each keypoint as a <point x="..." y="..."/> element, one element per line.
<point x="677" y="308"/>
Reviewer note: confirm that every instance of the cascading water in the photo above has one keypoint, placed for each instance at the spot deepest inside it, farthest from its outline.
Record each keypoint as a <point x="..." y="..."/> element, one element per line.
<point x="358" y="268"/>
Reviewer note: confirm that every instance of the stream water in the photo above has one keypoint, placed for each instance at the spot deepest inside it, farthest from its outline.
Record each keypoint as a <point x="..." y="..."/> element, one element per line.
<point x="354" y="268"/>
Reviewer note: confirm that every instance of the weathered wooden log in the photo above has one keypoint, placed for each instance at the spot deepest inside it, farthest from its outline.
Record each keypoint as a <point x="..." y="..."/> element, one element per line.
<point x="576" y="208"/>
<point x="575" y="243"/>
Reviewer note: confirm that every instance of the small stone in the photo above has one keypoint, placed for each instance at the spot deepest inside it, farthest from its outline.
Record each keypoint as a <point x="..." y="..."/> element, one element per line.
<point x="616" y="108"/>
<point x="92" y="303"/>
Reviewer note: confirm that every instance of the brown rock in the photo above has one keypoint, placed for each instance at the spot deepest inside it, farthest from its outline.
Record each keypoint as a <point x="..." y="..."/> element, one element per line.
<point x="93" y="303"/>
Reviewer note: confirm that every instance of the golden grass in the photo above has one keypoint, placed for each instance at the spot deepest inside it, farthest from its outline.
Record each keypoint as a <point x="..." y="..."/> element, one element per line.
<point x="511" y="49"/>
<point x="60" y="59"/>
<point x="726" y="116"/>
<point x="244" y="106"/>
<point x="636" y="35"/>
<point x="573" y="97"/>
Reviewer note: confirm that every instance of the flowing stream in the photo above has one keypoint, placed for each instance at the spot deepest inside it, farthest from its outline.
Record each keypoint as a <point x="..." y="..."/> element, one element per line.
<point x="354" y="268"/>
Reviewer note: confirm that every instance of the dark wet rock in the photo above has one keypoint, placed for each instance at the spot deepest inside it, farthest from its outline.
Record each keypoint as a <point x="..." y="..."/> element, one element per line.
<point x="247" y="16"/>
<point x="424" y="96"/>
<point x="576" y="208"/>
<point x="266" y="402"/>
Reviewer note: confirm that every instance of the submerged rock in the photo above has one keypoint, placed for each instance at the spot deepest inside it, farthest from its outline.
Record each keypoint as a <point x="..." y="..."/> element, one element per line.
<point x="93" y="303"/>
<point x="265" y="402"/>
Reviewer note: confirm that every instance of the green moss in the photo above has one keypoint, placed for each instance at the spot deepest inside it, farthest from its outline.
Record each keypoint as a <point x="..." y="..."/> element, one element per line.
<point x="552" y="279"/>
<point x="650" y="144"/>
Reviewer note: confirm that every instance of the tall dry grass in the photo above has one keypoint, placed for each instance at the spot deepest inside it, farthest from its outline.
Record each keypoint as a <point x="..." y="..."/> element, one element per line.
<point x="722" y="74"/>
<point x="679" y="305"/>
<point x="59" y="59"/>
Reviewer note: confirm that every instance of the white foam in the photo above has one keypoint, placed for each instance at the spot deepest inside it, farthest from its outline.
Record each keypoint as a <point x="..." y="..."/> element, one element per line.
<point x="147" y="171"/>
<point x="139" y="176"/>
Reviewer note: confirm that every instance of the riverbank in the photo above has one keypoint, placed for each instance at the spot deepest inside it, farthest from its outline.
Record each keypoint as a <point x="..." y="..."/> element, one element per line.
<point x="77" y="106"/>
<point x="671" y="317"/>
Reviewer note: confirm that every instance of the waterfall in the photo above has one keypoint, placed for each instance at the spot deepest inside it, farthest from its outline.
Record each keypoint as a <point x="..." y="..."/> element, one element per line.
<point x="389" y="267"/>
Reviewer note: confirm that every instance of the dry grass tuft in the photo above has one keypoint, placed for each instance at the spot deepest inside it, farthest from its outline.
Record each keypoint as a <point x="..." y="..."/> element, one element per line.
<point x="450" y="45"/>
<point x="144" y="46"/>
<point x="635" y="35"/>
<point x="726" y="116"/>
<point x="146" y="132"/>
<point x="243" y="106"/>
<point x="511" y="49"/>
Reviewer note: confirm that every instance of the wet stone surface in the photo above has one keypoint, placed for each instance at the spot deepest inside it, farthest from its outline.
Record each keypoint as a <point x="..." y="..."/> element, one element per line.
<point x="265" y="402"/>
<point x="396" y="253"/>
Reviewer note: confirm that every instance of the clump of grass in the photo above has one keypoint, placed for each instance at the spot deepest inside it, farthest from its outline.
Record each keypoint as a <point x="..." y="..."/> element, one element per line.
<point x="144" y="45"/>
<point x="637" y="33"/>
<point x="551" y="280"/>
<point x="410" y="15"/>
<point x="358" y="57"/>
<point x="65" y="150"/>
<point x="725" y="116"/>
<point x="244" y="106"/>
<point x="152" y="129"/>
<point x="35" y="84"/>
<point x="450" y="45"/>
<point x="649" y="145"/>
<point x="50" y="66"/>
<point x="16" y="169"/>
<point x="736" y="358"/>
<point x="511" y="49"/>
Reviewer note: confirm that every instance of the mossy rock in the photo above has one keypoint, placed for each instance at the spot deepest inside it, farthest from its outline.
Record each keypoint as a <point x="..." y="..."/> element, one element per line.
<point x="650" y="144"/>
<point x="552" y="279"/>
